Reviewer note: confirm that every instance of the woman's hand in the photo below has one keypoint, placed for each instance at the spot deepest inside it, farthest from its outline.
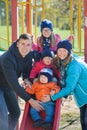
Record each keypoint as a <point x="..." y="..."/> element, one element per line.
<point x="46" y="98"/>
<point x="36" y="104"/>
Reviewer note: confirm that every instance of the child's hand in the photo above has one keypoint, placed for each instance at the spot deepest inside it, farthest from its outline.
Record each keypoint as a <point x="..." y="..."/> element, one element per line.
<point x="46" y="98"/>
<point x="52" y="92"/>
<point x="70" y="38"/>
<point x="27" y="83"/>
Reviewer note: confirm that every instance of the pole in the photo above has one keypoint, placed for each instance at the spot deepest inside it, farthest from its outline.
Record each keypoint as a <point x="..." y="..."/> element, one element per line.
<point x="14" y="20"/>
<point x="28" y="17"/>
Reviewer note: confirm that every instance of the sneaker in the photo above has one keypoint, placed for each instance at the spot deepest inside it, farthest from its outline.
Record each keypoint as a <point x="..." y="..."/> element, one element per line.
<point x="47" y="125"/>
<point x="37" y="123"/>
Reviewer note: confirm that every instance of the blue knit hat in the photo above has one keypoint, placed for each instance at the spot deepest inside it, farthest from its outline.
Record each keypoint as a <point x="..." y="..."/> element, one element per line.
<point x="48" y="73"/>
<point x="46" y="24"/>
<point x="65" y="44"/>
<point x="47" y="53"/>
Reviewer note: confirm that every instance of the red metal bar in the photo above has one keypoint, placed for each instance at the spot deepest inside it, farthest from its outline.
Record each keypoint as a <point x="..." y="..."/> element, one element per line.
<point x="57" y="115"/>
<point x="14" y="20"/>
<point x="28" y="17"/>
<point x="85" y="29"/>
<point x="14" y="28"/>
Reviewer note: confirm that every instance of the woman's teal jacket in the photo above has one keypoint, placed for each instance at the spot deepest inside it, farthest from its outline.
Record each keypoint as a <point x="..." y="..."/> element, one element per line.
<point x="76" y="82"/>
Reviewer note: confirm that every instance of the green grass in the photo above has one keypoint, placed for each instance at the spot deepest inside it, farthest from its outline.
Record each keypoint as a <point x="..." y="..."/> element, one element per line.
<point x="5" y="37"/>
<point x="77" y="48"/>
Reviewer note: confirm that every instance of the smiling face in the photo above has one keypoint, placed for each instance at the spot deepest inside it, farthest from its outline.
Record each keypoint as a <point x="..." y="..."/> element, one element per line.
<point x="47" y="60"/>
<point x="43" y="79"/>
<point x="24" y="46"/>
<point x="62" y="53"/>
<point x="46" y="32"/>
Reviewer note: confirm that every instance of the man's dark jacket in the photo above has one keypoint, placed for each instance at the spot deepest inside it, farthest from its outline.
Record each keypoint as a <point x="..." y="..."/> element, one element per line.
<point x="12" y="66"/>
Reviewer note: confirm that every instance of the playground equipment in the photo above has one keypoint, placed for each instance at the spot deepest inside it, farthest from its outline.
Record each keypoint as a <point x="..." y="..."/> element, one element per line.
<point x="28" y="5"/>
<point x="26" y="13"/>
<point x="27" y="123"/>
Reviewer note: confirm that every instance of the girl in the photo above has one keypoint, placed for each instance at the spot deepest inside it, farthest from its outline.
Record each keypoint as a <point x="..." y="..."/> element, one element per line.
<point x="48" y="39"/>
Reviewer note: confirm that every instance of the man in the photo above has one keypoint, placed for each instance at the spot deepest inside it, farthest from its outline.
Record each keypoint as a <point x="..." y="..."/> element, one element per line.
<point x="15" y="62"/>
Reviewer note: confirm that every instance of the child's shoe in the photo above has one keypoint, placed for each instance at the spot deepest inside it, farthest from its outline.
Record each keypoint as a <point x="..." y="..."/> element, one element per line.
<point x="37" y="123"/>
<point x="47" y="125"/>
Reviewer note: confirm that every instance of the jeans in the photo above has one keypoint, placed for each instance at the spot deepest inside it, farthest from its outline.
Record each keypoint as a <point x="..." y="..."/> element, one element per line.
<point x="49" y="110"/>
<point x="83" y="117"/>
<point x="3" y="113"/>
<point x="9" y="109"/>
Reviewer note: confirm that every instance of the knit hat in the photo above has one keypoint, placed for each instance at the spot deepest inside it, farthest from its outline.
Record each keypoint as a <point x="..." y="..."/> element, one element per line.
<point x="46" y="24"/>
<point x="48" y="73"/>
<point x="47" y="53"/>
<point x="65" y="44"/>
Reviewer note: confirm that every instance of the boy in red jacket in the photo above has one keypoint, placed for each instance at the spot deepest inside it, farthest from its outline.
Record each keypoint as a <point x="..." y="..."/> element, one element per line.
<point x="45" y="62"/>
<point x="43" y="86"/>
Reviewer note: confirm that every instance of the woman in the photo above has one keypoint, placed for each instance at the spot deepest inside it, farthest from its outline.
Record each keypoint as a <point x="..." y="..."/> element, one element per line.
<point x="73" y="79"/>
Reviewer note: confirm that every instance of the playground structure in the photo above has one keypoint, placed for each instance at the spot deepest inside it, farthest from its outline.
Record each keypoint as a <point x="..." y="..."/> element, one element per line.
<point x="25" y="19"/>
<point x="26" y="25"/>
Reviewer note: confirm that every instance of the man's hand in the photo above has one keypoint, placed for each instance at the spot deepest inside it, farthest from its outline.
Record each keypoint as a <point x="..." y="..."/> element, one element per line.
<point x="21" y="82"/>
<point x="36" y="104"/>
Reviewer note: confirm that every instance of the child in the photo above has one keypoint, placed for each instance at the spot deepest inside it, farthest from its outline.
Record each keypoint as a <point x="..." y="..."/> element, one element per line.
<point x="43" y="86"/>
<point x="46" y="61"/>
<point x="48" y="39"/>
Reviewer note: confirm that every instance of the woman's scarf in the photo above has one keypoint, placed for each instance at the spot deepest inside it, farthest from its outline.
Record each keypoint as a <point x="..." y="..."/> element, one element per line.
<point x="63" y="74"/>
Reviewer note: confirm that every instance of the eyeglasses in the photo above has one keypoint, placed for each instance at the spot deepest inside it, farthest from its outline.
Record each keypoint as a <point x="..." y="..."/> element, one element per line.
<point x="46" y="30"/>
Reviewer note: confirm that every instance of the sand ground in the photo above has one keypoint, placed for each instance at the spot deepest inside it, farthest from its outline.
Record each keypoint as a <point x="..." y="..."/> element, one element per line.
<point x="69" y="115"/>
